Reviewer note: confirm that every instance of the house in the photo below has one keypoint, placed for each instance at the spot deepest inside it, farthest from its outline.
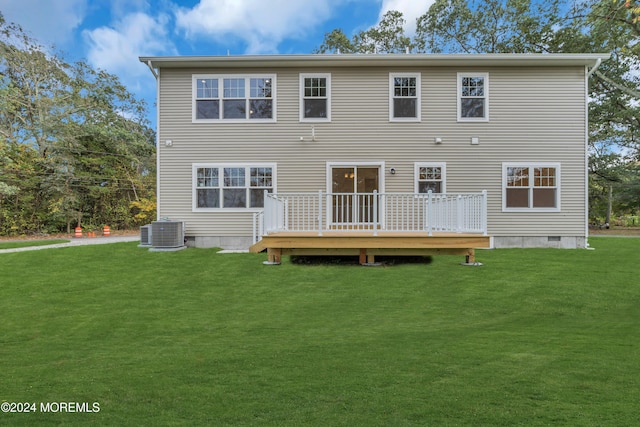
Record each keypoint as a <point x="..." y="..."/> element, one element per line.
<point x="351" y="133"/>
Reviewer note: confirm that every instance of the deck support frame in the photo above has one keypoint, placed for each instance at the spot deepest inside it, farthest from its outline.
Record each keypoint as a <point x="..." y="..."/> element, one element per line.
<point x="366" y="246"/>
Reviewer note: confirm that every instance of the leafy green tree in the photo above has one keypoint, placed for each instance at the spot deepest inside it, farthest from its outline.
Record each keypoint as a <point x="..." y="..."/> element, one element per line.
<point x="614" y="110"/>
<point x="614" y="27"/>
<point x="76" y="146"/>
<point x="336" y="41"/>
<point x="489" y="26"/>
<point x="386" y="37"/>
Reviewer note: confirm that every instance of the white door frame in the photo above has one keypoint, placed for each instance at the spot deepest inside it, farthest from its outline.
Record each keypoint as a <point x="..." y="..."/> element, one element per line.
<point x="355" y="164"/>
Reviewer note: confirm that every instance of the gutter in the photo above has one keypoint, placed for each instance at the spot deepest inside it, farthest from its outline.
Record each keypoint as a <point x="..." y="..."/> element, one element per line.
<point x="363" y="60"/>
<point x="593" y="69"/>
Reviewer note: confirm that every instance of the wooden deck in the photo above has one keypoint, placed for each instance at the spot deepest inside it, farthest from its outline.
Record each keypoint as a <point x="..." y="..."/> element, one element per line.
<point x="366" y="245"/>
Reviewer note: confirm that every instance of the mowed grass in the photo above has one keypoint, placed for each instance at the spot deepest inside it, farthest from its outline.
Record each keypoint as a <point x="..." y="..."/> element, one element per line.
<point x="533" y="337"/>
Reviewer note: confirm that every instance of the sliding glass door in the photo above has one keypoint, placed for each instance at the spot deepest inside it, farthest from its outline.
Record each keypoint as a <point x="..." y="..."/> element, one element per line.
<point x="352" y="202"/>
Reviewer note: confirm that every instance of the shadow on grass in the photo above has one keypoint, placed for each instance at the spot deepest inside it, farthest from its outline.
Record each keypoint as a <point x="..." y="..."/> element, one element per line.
<point x="354" y="260"/>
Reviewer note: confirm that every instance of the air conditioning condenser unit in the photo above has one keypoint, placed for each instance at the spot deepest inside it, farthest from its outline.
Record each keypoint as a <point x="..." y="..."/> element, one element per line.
<point x="145" y="235"/>
<point x="167" y="235"/>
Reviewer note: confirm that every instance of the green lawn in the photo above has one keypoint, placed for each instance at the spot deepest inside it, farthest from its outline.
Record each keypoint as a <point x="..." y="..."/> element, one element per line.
<point x="533" y="337"/>
<point x="26" y="243"/>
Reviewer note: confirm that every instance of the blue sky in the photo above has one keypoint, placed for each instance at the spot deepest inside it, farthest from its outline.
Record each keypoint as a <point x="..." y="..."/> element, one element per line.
<point x="112" y="34"/>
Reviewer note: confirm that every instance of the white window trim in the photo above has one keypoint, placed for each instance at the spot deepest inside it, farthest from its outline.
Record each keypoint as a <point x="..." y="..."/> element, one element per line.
<point x="326" y="76"/>
<point x="486" y="97"/>
<point x="418" y="78"/>
<point x="416" y="174"/>
<point x="530" y="165"/>
<point x="194" y="183"/>
<point x="221" y="77"/>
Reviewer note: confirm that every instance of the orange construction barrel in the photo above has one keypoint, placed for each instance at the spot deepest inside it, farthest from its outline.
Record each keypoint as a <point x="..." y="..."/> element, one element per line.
<point x="106" y="231"/>
<point x="78" y="232"/>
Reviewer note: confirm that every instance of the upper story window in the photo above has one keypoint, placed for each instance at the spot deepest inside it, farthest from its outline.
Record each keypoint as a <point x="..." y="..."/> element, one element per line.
<point x="531" y="187"/>
<point x="233" y="98"/>
<point x="315" y="97"/>
<point x="227" y="186"/>
<point x="473" y="97"/>
<point x="430" y="177"/>
<point x="404" y="97"/>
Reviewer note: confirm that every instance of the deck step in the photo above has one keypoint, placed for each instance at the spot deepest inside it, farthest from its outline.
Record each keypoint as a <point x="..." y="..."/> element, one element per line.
<point x="257" y="247"/>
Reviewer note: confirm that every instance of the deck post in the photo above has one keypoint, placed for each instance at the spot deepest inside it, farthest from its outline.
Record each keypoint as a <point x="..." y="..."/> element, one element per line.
<point x="256" y="228"/>
<point x="274" y="256"/>
<point x="286" y="214"/>
<point x="375" y="212"/>
<point x="471" y="256"/>
<point x="483" y="212"/>
<point x="268" y="214"/>
<point x="461" y="212"/>
<point x="319" y="212"/>
<point x="429" y="213"/>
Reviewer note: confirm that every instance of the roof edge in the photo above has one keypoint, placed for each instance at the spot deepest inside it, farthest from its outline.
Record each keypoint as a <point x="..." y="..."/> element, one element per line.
<point x="355" y="60"/>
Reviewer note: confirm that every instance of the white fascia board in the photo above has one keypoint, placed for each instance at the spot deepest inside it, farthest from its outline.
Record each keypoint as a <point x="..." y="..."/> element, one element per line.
<point x="363" y="60"/>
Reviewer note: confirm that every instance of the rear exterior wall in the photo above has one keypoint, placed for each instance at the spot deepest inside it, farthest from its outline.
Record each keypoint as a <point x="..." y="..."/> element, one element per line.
<point x="535" y="115"/>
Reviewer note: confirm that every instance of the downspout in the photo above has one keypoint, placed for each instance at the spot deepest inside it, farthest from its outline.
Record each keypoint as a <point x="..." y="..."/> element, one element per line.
<point x="156" y="75"/>
<point x="153" y="71"/>
<point x="586" y="160"/>
<point x="594" y="68"/>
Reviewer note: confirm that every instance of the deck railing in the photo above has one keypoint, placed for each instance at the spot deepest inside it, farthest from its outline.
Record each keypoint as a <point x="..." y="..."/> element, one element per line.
<point x="396" y="212"/>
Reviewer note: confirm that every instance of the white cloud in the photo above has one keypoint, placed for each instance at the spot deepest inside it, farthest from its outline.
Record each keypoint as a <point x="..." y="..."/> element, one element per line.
<point x="50" y="21"/>
<point x="116" y="49"/>
<point x="259" y="23"/>
<point x="411" y="11"/>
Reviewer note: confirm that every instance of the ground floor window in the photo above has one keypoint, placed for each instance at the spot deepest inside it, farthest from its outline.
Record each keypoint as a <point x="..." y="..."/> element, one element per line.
<point x="229" y="186"/>
<point x="531" y="187"/>
<point x="430" y="177"/>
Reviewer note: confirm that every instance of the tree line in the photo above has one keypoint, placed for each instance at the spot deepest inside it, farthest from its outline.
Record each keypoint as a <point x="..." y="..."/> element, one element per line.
<point x="550" y="26"/>
<point x="76" y="148"/>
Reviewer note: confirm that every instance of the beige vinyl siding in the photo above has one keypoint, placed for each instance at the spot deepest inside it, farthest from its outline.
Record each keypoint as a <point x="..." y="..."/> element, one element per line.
<point x="536" y="114"/>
